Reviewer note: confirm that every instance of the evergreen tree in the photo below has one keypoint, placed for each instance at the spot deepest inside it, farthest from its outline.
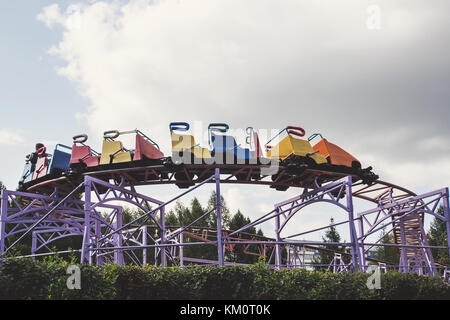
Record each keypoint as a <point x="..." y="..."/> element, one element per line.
<point x="327" y="255"/>
<point x="437" y="236"/>
<point x="238" y="221"/>
<point x="388" y="254"/>
<point x="183" y="216"/>
<point x="243" y="253"/>
<point x="224" y="211"/>
<point x="171" y="219"/>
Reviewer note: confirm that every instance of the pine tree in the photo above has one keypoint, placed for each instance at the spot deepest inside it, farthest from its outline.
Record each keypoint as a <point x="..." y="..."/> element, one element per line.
<point x="388" y="254"/>
<point x="224" y="212"/>
<point x="327" y="255"/>
<point x="437" y="236"/>
<point x="238" y="255"/>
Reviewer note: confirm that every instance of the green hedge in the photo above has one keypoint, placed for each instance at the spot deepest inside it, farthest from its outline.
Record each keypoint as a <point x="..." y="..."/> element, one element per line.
<point x="28" y="279"/>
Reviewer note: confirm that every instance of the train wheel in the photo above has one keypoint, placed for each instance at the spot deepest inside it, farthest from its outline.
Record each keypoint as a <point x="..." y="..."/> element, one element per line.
<point x="356" y="165"/>
<point x="181" y="176"/>
<point x="275" y="176"/>
<point x="310" y="162"/>
<point x="281" y="188"/>
<point x="336" y="193"/>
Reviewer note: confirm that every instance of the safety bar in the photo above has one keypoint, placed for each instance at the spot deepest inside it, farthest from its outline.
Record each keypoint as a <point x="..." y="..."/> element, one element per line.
<point x="113" y="134"/>
<point x="249" y="137"/>
<point x="313" y="136"/>
<point x="81" y="139"/>
<point x="182" y="126"/>
<point x="219" y="127"/>
<point x="296" y="131"/>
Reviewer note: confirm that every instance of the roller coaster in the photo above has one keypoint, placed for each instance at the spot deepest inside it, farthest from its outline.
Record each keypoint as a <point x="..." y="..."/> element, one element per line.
<point x="74" y="193"/>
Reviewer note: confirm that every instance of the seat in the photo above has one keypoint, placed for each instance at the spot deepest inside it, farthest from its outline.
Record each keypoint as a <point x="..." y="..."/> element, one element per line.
<point x="83" y="154"/>
<point x="293" y="146"/>
<point x="61" y="159"/>
<point x="145" y="149"/>
<point x="186" y="143"/>
<point x="290" y="145"/>
<point x="41" y="168"/>
<point x="224" y="143"/>
<point x="113" y="152"/>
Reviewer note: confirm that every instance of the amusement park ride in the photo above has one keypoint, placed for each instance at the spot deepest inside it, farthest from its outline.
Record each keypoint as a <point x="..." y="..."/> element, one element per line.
<point x="75" y="191"/>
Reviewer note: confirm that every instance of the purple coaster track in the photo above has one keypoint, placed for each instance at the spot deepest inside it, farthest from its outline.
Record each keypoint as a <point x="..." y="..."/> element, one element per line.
<point x="98" y="221"/>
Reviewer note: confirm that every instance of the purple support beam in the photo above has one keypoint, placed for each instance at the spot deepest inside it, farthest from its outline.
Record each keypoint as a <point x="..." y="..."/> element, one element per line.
<point x="446" y="208"/>
<point x="3" y="217"/>
<point x="278" y="238"/>
<point x="356" y="258"/>
<point x="86" y="253"/>
<point x="144" y="242"/>
<point x="163" y="237"/>
<point x="219" y="218"/>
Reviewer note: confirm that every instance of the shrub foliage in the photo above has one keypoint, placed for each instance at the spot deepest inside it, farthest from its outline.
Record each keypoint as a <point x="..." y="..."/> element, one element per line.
<point x="28" y="279"/>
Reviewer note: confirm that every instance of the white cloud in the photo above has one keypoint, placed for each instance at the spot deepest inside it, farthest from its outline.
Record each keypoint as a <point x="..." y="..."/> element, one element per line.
<point x="51" y="15"/>
<point x="146" y="63"/>
<point x="9" y="137"/>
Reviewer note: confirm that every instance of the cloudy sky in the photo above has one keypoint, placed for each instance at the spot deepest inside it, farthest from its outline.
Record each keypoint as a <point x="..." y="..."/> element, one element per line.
<point x="377" y="87"/>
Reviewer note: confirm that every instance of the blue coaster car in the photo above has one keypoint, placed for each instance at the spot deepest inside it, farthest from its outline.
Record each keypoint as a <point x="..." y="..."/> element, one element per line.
<point x="225" y="146"/>
<point x="61" y="159"/>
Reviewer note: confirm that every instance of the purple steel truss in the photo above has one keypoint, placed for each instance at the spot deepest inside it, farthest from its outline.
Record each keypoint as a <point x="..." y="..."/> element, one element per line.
<point x="405" y="218"/>
<point x="98" y="221"/>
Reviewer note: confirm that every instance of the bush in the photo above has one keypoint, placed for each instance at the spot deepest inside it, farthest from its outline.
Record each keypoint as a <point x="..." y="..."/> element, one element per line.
<point x="29" y="279"/>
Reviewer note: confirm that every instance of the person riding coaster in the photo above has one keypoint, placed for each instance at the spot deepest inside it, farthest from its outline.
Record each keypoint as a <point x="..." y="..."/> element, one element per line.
<point x="40" y="163"/>
<point x="30" y="165"/>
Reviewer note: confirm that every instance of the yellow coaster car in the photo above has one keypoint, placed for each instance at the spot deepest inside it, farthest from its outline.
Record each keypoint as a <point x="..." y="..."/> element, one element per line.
<point x="114" y="152"/>
<point x="183" y="145"/>
<point x="291" y="146"/>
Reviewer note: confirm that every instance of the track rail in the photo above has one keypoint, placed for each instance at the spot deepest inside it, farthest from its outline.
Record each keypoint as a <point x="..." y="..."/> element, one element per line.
<point x="231" y="174"/>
